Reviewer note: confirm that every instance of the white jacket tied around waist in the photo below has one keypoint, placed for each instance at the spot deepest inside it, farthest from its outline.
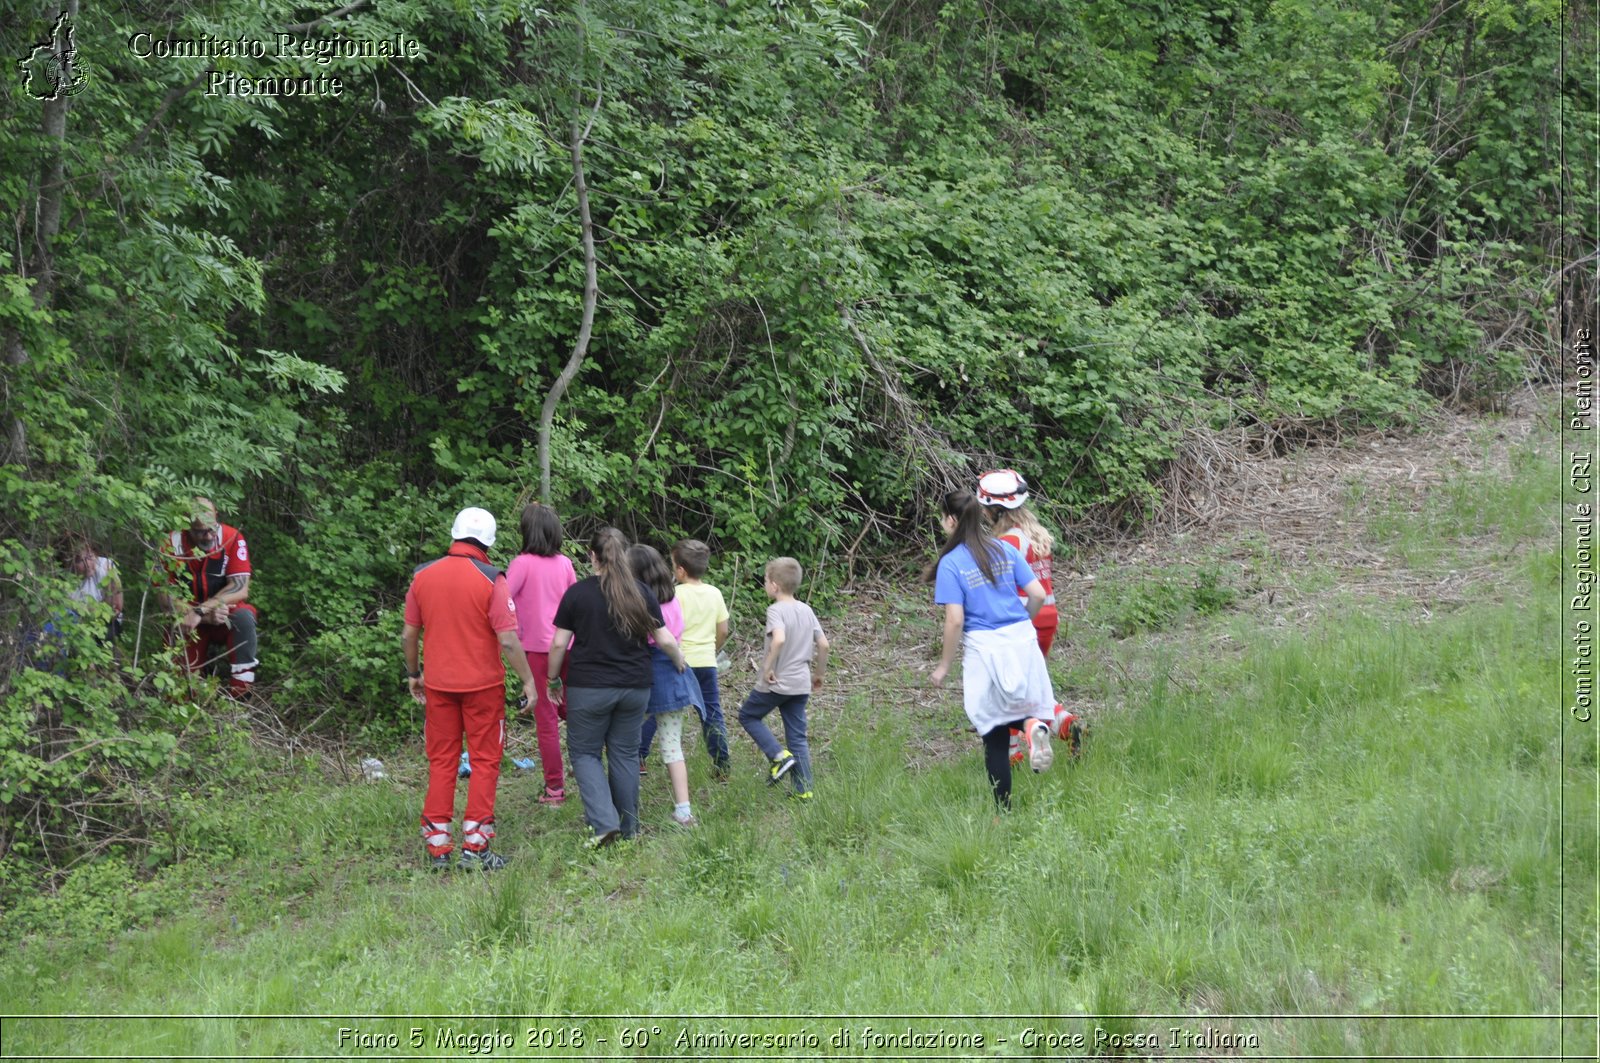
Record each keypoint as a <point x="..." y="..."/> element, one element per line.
<point x="1004" y="676"/>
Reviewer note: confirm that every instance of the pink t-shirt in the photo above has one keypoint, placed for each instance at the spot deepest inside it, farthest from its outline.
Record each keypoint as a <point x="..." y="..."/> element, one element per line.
<point x="671" y="619"/>
<point x="537" y="584"/>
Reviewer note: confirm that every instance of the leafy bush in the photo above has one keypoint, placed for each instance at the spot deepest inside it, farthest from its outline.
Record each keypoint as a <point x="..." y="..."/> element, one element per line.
<point x="90" y="740"/>
<point x="1133" y="600"/>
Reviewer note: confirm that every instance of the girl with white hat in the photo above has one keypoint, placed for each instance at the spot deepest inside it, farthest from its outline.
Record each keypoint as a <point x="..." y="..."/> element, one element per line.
<point x="1004" y="495"/>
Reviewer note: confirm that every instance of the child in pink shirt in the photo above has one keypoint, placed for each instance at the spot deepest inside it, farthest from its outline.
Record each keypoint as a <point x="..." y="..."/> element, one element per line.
<point x="538" y="577"/>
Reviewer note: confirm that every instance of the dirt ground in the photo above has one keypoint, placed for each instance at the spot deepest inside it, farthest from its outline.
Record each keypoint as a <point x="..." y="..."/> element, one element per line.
<point x="1316" y="505"/>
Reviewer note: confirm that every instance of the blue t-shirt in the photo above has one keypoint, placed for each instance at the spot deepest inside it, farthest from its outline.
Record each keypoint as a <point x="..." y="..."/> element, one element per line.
<point x="960" y="581"/>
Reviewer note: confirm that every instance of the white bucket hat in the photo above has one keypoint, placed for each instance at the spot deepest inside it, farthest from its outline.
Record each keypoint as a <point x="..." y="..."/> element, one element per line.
<point x="1002" y="487"/>
<point x="474" y="523"/>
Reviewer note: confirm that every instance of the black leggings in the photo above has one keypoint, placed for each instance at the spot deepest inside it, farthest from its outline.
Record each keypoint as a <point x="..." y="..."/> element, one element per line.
<point x="997" y="760"/>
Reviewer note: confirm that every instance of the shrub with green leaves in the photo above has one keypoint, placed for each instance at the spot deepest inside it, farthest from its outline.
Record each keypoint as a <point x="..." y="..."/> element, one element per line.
<point x="1139" y="599"/>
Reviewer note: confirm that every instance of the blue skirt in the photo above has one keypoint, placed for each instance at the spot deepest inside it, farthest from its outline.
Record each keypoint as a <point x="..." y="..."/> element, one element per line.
<point x="670" y="689"/>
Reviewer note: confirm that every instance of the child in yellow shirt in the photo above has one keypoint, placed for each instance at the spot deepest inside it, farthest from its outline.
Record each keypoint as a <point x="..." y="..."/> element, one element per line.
<point x="705" y="629"/>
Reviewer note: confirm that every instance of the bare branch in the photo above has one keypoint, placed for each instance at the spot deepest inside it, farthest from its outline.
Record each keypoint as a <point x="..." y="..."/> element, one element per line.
<point x="307" y="27"/>
<point x="591" y="295"/>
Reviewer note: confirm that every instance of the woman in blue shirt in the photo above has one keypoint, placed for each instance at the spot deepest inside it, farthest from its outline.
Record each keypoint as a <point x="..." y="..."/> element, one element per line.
<point x="1004" y="680"/>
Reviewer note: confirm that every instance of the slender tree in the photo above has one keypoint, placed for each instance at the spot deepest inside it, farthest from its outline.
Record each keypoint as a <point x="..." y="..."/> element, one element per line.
<point x="41" y="216"/>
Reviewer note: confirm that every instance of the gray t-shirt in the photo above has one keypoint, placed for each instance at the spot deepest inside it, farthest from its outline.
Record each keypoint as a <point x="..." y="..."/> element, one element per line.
<point x="800" y="634"/>
<point x="93" y="588"/>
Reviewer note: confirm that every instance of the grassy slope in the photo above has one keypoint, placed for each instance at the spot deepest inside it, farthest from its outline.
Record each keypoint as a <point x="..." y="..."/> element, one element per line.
<point x="1357" y="817"/>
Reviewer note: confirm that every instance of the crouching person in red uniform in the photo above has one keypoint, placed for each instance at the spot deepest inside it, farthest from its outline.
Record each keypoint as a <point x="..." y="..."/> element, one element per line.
<point x="464" y="606"/>
<point x="218" y="626"/>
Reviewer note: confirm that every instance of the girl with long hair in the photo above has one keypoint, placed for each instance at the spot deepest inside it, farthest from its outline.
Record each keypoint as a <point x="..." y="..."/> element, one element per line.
<point x="613" y="616"/>
<point x="672" y="690"/>
<point x="1004" y="684"/>
<point x="1004" y="495"/>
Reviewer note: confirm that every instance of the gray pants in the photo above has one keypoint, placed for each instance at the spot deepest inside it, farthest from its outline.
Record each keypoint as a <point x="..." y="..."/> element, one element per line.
<point x="226" y="652"/>
<point x="607" y="719"/>
<point x="244" y="644"/>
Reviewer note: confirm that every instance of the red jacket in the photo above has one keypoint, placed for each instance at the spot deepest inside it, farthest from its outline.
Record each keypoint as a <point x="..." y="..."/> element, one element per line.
<point x="460" y="601"/>
<point x="1040" y="563"/>
<point x="207" y="574"/>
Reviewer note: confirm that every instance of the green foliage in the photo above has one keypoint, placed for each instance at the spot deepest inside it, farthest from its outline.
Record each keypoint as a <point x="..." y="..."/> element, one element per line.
<point x="87" y="735"/>
<point x="1154" y="599"/>
<point x="90" y="903"/>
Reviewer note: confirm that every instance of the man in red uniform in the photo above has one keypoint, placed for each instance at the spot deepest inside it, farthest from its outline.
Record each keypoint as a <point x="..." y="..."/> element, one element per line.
<point x="212" y="563"/>
<point x="464" y="605"/>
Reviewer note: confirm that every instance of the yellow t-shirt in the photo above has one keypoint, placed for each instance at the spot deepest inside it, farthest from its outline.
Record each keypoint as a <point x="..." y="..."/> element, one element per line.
<point x="703" y="609"/>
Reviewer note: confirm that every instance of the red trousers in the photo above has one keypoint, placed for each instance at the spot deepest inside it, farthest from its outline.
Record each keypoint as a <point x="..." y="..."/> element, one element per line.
<point x="480" y="715"/>
<point x="1045" y="626"/>
<point x="547" y="717"/>
<point x="1046" y="635"/>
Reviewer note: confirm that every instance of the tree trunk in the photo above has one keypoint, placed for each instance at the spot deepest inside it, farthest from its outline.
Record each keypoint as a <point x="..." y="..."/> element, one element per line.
<point x="591" y="295"/>
<point x="39" y="261"/>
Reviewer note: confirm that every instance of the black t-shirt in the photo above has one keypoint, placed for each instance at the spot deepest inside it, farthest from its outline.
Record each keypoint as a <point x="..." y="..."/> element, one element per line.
<point x="602" y="656"/>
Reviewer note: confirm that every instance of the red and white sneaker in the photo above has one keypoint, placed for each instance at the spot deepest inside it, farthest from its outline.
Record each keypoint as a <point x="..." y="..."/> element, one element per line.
<point x="1069" y="728"/>
<point x="1074" y="736"/>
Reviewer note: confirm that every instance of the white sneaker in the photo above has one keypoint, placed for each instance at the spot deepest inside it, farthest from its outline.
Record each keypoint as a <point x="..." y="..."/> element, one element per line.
<point x="1040" y="755"/>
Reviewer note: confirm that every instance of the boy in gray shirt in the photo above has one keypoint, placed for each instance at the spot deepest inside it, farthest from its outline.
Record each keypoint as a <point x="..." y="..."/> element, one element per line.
<point x="795" y="663"/>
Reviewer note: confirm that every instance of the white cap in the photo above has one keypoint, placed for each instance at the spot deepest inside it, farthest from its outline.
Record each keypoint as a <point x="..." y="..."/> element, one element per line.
<point x="1002" y="487"/>
<point x="474" y="523"/>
